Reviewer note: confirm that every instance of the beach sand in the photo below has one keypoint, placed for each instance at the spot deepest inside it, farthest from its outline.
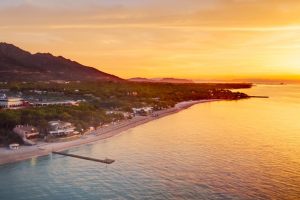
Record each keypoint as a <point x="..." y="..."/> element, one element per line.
<point x="43" y="148"/>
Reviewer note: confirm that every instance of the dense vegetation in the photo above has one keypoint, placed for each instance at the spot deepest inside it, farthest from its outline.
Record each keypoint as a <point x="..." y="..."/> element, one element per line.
<point x="102" y="96"/>
<point x="82" y="116"/>
<point x="124" y="96"/>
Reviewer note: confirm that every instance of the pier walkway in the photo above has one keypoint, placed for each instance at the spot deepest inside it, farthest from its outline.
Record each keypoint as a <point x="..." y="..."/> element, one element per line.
<point x="105" y="161"/>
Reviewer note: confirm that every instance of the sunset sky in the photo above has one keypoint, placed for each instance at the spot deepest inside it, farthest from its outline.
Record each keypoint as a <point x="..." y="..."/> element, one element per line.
<point x="198" y="39"/>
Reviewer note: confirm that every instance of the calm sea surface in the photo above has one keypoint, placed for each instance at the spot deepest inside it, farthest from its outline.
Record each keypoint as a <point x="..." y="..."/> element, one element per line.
<point x="248" y="149"/>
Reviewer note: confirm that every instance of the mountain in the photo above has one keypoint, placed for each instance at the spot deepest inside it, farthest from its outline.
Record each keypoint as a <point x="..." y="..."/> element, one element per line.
<point x="19" y="65"/>
<point x="161" y="80"/>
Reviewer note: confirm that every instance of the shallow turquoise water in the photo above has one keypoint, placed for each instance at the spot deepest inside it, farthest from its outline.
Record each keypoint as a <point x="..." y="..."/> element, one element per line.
<point x="248" y="149"/>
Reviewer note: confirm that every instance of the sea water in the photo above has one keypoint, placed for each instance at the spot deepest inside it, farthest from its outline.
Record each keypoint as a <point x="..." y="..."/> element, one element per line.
<point x="246" y="149"/>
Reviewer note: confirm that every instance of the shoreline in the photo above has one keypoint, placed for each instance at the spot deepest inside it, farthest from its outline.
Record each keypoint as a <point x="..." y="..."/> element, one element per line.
<point x="44" y="149"/>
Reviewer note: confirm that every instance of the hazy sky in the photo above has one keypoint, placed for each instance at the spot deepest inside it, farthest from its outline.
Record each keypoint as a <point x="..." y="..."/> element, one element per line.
<point x="200" y="39"/>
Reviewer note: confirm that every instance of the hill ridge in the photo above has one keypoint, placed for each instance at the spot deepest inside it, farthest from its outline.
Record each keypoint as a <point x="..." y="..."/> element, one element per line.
<point x="17" y="64"/>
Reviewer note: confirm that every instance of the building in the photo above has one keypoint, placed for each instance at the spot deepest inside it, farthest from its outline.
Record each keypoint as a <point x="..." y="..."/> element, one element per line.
<point x="51" y="103"/>
<point x="61" y="129"/>
<point x="142" y="111"/>
<point x="121" y="113"/>
<point x="27" y="133"/>
<point x="2" y="96"/>
<point x="14" y="146"/>
<point x="10" y="102"/>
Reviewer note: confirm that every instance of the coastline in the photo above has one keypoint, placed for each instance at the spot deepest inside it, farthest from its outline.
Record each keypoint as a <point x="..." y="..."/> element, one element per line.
<point x="43" y="149"/>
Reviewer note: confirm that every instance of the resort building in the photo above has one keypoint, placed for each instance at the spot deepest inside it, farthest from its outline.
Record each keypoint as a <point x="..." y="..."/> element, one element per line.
<point x="2" y="96"/>
<point x="142" y="111"/>
<point x="26" y="133"/>
<point x="61" y="129"/>
<point x="49" y="103"/>
<point x="10" y="102"/>
<point x="14" y="146"/>
<point x="114" y="112"/>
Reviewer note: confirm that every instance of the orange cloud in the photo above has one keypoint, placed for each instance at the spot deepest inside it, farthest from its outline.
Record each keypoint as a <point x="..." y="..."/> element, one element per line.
<point x="194" y="39"/>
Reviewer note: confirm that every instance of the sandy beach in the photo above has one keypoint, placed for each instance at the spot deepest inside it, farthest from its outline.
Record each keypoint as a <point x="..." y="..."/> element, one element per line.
<point x="43" y="148"/>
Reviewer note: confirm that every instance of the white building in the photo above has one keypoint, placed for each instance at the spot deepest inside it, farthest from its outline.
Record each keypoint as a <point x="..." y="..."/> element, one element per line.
<point x="14" y="146"/>
<point x="10" y="102"/>
<point x="143" y="111"/>
<point x="61" y="103"/>
<point x="114" y="112"/>
<point x="60" y="128"/>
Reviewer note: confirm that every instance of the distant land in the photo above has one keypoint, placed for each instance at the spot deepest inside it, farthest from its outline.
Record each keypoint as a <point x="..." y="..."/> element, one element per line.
<point x="250" y="80"/>
<point x="19" y="65"/>
<point x="161" y="80"/>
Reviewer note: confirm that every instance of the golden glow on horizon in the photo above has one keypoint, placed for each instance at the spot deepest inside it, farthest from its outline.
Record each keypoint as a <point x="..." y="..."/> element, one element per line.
<point x="207" y="39"/>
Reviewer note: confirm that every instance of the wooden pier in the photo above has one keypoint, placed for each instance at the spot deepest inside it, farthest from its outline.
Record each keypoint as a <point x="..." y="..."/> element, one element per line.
<point x="262" y="97"/>
<point x="105" y="161"/>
